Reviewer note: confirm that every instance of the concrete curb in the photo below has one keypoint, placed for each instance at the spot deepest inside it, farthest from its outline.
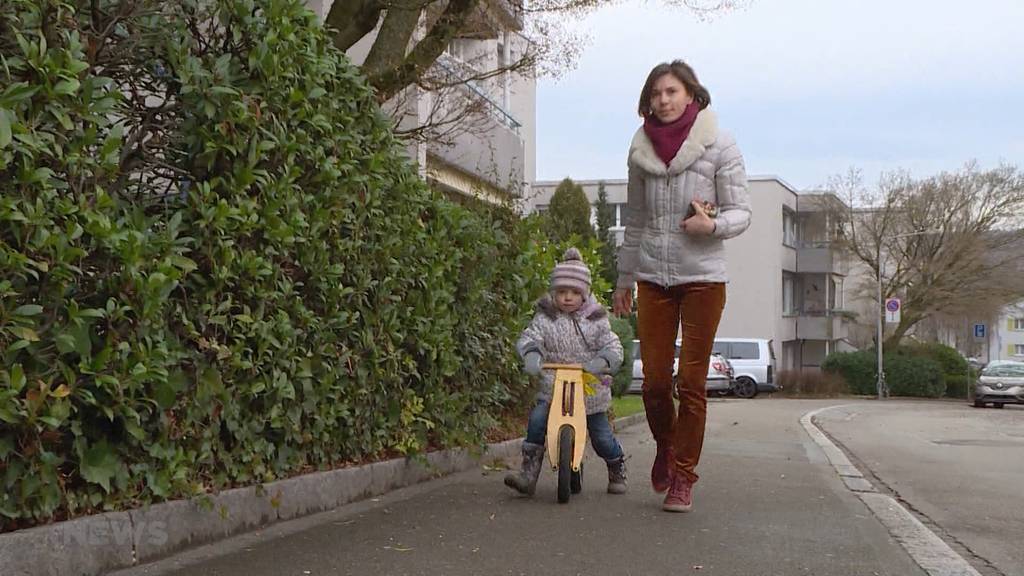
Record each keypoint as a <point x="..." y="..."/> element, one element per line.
<point x="103" y="542"/>
<point x="930" y="552"/>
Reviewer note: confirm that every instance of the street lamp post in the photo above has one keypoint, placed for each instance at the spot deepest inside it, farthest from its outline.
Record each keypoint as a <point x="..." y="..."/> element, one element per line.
<point x="880" y="377"/>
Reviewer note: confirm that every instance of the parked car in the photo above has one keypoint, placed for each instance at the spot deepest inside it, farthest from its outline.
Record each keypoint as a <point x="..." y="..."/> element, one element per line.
<point x="753" y="364"/>
<point x="1000" y="383"/>
<point x="719" y="378"/>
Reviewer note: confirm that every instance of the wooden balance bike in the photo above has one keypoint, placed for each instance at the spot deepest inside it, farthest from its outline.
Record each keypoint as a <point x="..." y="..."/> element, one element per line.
<point x="567" y="428"/>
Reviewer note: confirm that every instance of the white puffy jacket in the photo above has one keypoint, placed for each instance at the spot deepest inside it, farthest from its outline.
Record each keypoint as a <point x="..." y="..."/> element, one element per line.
<point x="708" y="166"/>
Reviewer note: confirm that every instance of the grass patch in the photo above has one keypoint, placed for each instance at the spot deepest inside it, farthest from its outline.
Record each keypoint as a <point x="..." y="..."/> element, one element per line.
<point x="626" y="405"/>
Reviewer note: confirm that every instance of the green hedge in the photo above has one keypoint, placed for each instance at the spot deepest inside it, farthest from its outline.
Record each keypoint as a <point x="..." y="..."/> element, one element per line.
<point x="906" y="374"/>
<point x="244" y="282"/>
<point x="858" y="369"/>
<point x="957" y="385"/>
<point x="914" y="376"/>
<point x="952" y="364"/>
<point x="624" y="377"/>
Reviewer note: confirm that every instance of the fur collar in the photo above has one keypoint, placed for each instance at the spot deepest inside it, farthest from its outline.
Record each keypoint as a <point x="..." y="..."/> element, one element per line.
<point x="591" y="309"/>
<point x="703" y="134"/>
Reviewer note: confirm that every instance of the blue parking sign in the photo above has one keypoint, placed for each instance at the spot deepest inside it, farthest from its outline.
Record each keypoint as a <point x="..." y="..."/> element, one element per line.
<point x="979" y="331"/>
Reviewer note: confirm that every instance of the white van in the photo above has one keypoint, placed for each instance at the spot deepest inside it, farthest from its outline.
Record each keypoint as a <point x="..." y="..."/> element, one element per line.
<point x="753" y="364"/>
<point x="719" y="377"/>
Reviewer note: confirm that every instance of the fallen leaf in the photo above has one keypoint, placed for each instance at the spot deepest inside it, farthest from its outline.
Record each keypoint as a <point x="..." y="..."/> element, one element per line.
<point x="492" y="516"/>
<point x="698" y="567"/>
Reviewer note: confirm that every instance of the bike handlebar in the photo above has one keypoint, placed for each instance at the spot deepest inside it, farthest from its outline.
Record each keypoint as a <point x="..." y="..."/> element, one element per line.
<point x="555" y="366"/>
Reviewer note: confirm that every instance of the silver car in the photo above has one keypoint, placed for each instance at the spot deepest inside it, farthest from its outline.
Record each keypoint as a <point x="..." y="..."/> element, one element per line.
<point x="719" y="378"/>
<point x="1000" y="383"/>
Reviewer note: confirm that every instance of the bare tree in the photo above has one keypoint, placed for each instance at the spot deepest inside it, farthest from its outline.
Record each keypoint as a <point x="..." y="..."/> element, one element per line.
<point x="951" y="244"/>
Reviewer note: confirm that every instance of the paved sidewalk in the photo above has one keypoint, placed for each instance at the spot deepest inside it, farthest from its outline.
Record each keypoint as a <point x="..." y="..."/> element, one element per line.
<point x="768" y="502"/>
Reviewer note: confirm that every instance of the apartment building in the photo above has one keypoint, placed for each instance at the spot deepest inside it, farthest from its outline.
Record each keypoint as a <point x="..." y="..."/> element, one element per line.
<point x="1006" y="338"/>
<point x="494" y="160"/>
<point x="787" y="282"/>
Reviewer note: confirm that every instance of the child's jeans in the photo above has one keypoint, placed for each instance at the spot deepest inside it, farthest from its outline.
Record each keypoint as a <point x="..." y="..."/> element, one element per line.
<point x="599" y="429"/>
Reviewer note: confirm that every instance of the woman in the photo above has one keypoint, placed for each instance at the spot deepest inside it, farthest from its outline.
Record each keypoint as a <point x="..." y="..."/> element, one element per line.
<point x="687" y="193"/>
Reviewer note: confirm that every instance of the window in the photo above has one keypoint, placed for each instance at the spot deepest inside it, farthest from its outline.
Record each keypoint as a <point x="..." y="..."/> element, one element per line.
<point x="540" y="208"/>
<point x="743" y="351"/>
<point x="788" y="295"/>
<point x="619" y="212"/>
<point x="1017" y="324"/>
<point x="1018" y="349"/>
<point x="789" y="228"/>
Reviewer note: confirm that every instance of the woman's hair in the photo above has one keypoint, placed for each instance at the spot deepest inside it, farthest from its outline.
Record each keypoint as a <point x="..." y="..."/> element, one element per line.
<point x="685" y="74"/>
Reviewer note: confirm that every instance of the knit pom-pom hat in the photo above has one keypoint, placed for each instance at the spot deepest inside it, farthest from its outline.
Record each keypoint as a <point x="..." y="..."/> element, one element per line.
<point x="571" y="272"/>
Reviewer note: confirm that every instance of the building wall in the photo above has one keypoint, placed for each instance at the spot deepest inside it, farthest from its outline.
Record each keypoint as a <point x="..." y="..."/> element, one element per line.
<point x="1006" y="341"/>
<point x="755" y="261"/>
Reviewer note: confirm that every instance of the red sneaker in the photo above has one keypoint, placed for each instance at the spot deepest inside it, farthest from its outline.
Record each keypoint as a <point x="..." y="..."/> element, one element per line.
<point x="680" y="495"/>
<point x="661" y="472"/>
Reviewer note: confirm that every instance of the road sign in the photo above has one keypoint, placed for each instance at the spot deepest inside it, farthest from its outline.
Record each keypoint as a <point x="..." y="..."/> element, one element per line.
<point x="892" y="310"/>
<point x="979" y="332"/>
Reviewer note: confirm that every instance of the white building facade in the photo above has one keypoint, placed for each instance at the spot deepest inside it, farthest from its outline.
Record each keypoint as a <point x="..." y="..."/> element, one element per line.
<point x="1006" y="339"/>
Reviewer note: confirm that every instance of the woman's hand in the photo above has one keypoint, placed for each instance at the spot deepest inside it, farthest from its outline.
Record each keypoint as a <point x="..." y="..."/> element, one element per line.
<point x="700" y="224"/>
<point x="622" y="302"/>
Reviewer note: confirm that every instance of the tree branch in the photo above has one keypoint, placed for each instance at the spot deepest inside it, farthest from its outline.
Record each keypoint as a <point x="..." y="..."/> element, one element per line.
<point x="353" y="19"/>
<point x="389" y="48"/>
<point x="390" y="81"/>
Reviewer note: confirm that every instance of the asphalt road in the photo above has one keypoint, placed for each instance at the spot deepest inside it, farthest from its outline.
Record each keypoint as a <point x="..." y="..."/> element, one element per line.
<point x="959" y="469"/>
<point x="768" y="503"/>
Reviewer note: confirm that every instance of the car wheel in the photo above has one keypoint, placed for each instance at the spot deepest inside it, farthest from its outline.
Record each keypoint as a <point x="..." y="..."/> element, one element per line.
<point x="745" y="387"/>
<point x="979" y="404"/>
<point x="998" y="404"/>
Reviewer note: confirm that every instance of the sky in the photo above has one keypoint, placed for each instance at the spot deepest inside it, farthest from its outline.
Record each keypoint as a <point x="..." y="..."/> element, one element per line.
<point x="809" y="88"/>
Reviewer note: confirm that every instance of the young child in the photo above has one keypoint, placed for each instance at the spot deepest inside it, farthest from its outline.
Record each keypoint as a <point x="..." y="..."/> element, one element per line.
<point x="570" y="327"/>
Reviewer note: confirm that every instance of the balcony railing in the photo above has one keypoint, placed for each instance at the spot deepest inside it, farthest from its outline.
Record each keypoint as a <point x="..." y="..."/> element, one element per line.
<point x="459" y="71"/>
<point x="821" y="325"/>
<point x="820" y="259"/>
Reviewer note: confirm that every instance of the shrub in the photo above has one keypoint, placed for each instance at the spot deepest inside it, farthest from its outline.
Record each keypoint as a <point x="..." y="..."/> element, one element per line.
<point x="957" y="385"/>
<point x="906" y="373"/>
<point x="624" y="330"/>
<point x="218" y="268"/>
<point x="917" y="376"/>
<point x="949" y="360"/>
<point x="797" y="383"/>
<point x="858" y="370"/>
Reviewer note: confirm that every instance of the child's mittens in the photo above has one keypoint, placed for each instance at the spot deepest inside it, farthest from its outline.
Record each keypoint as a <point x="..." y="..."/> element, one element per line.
<point x="532" y="363"/>
<point x="596" y="365"/>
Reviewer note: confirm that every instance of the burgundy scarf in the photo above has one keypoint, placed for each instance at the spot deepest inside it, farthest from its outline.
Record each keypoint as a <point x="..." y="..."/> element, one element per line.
<point x="668" y="138"/>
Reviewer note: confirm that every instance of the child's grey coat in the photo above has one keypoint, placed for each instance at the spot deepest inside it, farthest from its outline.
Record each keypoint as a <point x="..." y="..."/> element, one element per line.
<point x="572" y="339"/>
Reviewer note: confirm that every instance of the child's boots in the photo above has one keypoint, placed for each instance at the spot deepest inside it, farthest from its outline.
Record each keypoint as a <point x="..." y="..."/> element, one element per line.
<point x="525" y="481"/>
<point x="617" y="475"/>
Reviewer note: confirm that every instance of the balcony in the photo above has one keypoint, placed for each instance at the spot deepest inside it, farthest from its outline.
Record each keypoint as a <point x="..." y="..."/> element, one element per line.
<point x="486" y="157"/>
<point x="829" y="325"/>
<point x="820" y="258"/>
